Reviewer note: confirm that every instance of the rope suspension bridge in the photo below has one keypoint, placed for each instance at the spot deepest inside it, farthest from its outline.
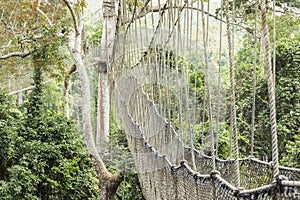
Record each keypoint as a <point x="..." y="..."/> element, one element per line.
<point x="163" y="54"/>
<point x="156" y="58"/>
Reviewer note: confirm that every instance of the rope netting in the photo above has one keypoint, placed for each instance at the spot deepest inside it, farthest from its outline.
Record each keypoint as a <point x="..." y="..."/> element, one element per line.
<point x="164" y="176"/>
<point x="167" y="86"/>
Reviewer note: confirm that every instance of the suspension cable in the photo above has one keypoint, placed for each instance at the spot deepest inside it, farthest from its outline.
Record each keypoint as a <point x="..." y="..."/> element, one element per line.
<point x="274" y="42"/>
<point x="233" y="129"/>
<point x="205" y="43"/>
<point x="254" y="80"/>
<point x="271" y="91"/>
<point x="219" y="80"/>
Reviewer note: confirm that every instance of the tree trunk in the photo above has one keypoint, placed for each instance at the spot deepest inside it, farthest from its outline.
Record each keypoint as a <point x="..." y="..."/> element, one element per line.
<point x="108" y="183"/>
<point x="75" y="48"/>
<point x="103" y="111"/>
<point x="66" y="88"/>
<point x="107" y="43"/>
<point x="86" y="97"/>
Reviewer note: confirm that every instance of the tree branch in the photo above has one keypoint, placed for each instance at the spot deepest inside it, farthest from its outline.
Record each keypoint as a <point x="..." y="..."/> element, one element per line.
<point x="10" y="27"/>
<point x="73" y="16"/>
<point x="146" y="11"/>
<point x="8" y="45"/>
<point x="67" y="80"/>
<point x="42" y="13"/>
<point x="16" y="54"/>
<point x="30" y="39"/>
<point x="29" y="88"/>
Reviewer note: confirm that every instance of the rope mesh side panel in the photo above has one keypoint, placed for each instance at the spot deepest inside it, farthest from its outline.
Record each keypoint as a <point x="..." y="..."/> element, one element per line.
<point x="145" y="81"/>
<point x="154" y="174"/>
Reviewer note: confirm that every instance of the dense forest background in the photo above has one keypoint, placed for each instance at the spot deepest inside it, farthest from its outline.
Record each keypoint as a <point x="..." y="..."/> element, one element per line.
<point x="43" y="148"/>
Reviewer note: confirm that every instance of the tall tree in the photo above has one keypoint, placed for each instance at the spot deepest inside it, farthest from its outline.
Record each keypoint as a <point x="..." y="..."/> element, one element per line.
<point x="108" y="182"/>
<point x="107" y="43"/>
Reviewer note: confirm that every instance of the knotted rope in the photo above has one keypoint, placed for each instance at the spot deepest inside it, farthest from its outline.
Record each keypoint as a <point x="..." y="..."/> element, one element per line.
<point x="232" y="96"/>
<point x="271" y="90"/>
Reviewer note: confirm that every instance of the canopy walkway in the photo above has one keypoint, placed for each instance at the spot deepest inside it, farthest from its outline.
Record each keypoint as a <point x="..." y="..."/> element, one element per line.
<point x="158" y="153"/>
<point x="157" y="56"/>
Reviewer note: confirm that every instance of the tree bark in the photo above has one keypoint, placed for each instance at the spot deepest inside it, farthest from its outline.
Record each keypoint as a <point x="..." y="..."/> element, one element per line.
<point x="102" y="111"/>
<point x="107" y="43"/>
<point x="108" y="183"/>
<point x="66" y="88"/>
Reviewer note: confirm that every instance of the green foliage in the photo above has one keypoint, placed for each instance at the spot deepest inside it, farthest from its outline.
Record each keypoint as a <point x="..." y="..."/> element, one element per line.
<point x="246" y="8"/>
<point x="53" y="95"/>
<point x="286" y="26"/>
<point x="223" y="138"/>
<point x="224" y="142"/>
<point x="129" y="188"/>
<point x="197" y="81"/>
<point x="51" y="56"/>
<point x="134" y="4"/>
<point x="9" y="124"/>
<point x="288" y="91"/>
<point x="33" y="32"/>
<point x="21" y="184"/>
<point x="120" y="158"/>
<point x="42" y="156"/>
<point x="94" y="36"/>
<point x="287" y="97"/>
<point x="35" y="104"/>
<point x="292" y="158"/>
<point x="79" y="5"/>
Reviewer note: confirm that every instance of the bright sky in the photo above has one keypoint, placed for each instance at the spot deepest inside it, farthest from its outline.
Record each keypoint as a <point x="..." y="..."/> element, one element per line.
<point x="94" y="5"/>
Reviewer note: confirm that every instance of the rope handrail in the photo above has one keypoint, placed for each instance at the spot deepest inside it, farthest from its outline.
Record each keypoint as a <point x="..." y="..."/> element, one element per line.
<point x="190" y="173"/>
<point x="237" y="193"/>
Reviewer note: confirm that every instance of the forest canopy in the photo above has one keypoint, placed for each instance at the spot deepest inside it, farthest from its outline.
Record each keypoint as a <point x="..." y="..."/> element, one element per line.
<point x="49" y="133"/>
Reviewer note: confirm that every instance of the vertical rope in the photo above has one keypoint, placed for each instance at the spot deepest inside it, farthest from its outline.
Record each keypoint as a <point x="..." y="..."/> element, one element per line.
<point x="204" y="88"/>
<point x="164" y="68"/>
<point x="254" y="80"/>
<point x="232" y="97"/>
<point x="219" y="80"/>
<point x="149" y="61"/>
<point x="203" y="115"/>
<point x="168" y="78"/>
<point x="177" y="43"/>
<point x="186" y="75"/>
<point x="180" y="98"/>
<point x="205" y="43"/>
<point x="138" y="107"/>
<point x="271" y="91"/>
<point x="159" y="54"/>
<point x="160" y="64"/>
<point x="274" y="42"/>
<point x="195" y="71"/>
